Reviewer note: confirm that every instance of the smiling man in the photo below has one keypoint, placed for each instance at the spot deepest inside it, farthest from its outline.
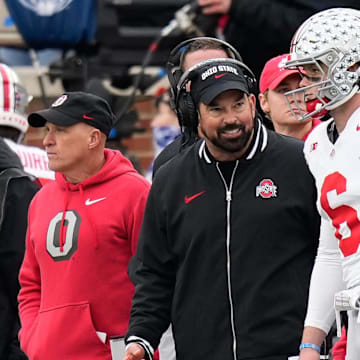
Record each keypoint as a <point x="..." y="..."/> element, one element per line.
<point x="82" y="230"/>
<point x="213" y="258"/>
<point x="226" y="109"/>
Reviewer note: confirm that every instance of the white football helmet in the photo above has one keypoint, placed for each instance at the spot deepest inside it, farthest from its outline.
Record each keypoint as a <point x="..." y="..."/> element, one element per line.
<point x="13" y="100"/>
<point x="331" y="38"/>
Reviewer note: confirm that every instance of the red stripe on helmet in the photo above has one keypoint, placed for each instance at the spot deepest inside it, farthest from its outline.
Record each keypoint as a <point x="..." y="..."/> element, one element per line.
<point x="6" y="84"/>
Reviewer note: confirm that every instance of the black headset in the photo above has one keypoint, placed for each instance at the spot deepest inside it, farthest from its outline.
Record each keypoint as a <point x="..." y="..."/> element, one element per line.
<point x="180" y="99"/>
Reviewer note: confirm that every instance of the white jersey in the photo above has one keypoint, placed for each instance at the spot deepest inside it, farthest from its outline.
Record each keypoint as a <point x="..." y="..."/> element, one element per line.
<point x="34" y="160"/>
<point x="336" y="169"/>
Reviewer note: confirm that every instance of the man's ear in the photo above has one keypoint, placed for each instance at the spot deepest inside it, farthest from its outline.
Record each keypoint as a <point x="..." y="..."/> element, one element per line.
<point x="200" y="132"/>
<point x="94" y="138"/>
<point x="264" y="104"/>
<point x="252" y="101"/>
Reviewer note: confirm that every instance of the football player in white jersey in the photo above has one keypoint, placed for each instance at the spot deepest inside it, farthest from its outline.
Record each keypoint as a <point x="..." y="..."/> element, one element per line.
<point x="326" y="51"/>
<point x="13" y="125"/>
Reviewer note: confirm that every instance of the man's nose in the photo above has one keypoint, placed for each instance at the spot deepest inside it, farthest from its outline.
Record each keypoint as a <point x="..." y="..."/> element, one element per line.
<point x="48" y="139"/>
<point x="304" y="82"/>
<point x="230" y="117"/>
<point x="298" y="97"/>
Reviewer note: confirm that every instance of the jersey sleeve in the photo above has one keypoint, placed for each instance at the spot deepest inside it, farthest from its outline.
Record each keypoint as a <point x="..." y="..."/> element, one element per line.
<point x="326" y="280"/>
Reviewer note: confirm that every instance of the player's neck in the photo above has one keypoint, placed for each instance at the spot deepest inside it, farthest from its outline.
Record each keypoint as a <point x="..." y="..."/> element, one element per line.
<point x="342" y="113"/>
<point x="294" y="130"/>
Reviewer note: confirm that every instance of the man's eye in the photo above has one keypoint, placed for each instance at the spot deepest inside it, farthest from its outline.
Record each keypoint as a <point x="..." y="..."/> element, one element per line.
<point x="283" y="90"/>
<point x="312" y="78"/>
<point x="314" y="71"/>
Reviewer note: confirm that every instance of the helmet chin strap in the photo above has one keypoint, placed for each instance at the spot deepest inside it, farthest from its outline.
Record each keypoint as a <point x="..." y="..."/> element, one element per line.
<point x="20" y="138"/>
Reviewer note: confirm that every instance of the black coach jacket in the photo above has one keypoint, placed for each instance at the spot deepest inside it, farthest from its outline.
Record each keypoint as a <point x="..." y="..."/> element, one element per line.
<point x="229" y="266"/>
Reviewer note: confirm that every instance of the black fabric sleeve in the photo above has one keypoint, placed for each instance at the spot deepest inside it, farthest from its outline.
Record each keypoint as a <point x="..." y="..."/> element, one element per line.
<point x="275" y="21"/>
<point x="281" y="17"/>
<point x="12" y="248"/>
<point x="167" y="154"/>
<point x="153" y="271"/>
<point x="262" y="29"/>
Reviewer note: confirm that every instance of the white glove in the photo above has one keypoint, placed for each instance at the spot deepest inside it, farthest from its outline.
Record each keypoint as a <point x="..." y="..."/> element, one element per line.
<point x="344" y="301"/>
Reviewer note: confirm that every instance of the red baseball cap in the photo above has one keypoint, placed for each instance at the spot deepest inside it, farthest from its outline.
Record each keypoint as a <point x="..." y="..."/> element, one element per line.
<point x="274" y="73"/>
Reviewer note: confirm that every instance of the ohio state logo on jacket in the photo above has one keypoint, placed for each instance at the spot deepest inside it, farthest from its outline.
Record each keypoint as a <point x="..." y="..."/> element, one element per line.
<point x="266" y="189"/>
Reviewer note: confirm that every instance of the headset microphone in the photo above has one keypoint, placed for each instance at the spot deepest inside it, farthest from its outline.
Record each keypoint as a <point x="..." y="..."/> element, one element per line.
<point x="183" y="20"/>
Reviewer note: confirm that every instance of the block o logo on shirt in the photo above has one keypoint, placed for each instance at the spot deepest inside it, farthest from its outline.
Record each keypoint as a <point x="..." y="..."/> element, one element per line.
<point x="71" y="235"/>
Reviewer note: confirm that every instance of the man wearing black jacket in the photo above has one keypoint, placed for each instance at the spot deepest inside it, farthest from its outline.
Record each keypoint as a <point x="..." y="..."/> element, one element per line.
<point x="196" y="50"/>
<point x="17" y="190"/>
<point x="229" y="235"/>
<point x="262" y="29"/>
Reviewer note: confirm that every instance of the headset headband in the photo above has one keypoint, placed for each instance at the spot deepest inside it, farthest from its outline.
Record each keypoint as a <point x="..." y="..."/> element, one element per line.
<point x="180" y="100"/>
<point x="185" y="76"/>
<point x="174" y="61"/>
<point x="226" y="45"/>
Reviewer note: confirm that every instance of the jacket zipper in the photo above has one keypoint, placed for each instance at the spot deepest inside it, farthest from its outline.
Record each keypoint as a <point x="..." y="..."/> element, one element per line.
<point x="228" y="191"/>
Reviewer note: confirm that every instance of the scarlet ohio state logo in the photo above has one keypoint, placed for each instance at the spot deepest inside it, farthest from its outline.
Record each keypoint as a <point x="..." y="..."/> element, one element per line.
<point x="266" y="189"/>
<point x="59" y="101"/>
<point x="313" y="146"/>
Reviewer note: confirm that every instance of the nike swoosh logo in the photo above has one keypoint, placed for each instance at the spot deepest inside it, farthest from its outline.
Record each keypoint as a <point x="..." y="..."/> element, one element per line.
<point x="90" y="202"/>
<point x="191" y="198"/>
<point x="220" y="76"/>
<point x="88" y="117"/>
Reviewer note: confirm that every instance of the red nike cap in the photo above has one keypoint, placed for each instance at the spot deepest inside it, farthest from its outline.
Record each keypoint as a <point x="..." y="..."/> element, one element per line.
<point x="274" y="73"/>
<point x="75" y="107"/>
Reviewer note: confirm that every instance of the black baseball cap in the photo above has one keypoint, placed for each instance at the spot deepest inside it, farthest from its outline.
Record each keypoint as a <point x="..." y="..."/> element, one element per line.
<point x="209" y="81"/>
<point x="75" y="107"/>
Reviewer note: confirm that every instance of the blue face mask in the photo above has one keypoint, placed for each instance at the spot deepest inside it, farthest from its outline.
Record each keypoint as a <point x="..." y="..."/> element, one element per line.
<point x="164" y="135"/>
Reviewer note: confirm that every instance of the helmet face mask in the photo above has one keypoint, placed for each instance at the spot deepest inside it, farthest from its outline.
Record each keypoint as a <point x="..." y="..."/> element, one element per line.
<point x="324" y="50"/>
<point x="22" y="99"/>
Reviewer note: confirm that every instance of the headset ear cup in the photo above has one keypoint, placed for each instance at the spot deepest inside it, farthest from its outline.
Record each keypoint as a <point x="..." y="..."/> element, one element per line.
<point x="179" y="109"/>
<point x="177" y="75"/>
<point x="191" y="113"/>
<point x="186" y="111"/>
<point x="174" y="79"/>
<point x="251" y="83"/>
